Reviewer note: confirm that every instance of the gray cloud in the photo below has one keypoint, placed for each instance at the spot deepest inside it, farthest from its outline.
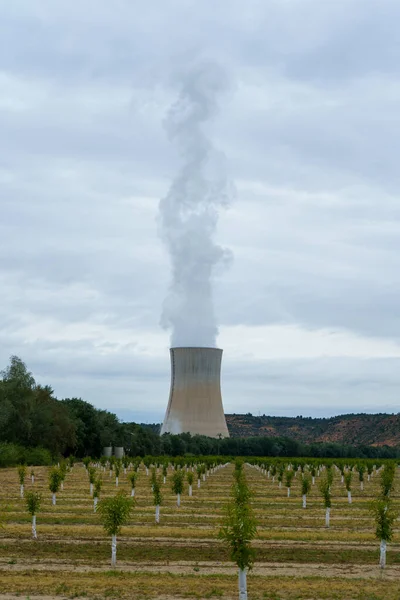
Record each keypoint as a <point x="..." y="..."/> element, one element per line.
<point x="311" y="134"/>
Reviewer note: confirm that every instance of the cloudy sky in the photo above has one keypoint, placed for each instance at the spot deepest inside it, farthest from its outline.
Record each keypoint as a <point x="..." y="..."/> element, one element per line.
<point x="308" y="311"/>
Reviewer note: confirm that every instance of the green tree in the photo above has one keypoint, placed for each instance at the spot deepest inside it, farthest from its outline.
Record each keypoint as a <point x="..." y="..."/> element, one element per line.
<point x="347" y="481"/>
<point x="91" y="471"/>
<point x="190" y="479"/>
<point x="325" y="489"/>
<point x="98" y="484"/>
<point x="177" y="485"/>
<point x="33" y="500"/>
<point x="238" y="529"/>
<point x="288" y="481"/>
<point x="114" y="514"/>
<point x="132" y="480"/>
<point x="305" y="487"/>
<point x="157" y="497"/>
<point x="21" y="476"/>
<point x="385" y="517"/>
<point x="55" y="479"/>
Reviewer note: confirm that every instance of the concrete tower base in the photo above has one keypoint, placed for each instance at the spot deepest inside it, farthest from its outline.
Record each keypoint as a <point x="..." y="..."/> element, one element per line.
<point x="195" y="402"/>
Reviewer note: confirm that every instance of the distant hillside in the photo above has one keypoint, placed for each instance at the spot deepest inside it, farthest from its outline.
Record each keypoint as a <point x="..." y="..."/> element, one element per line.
<point x="354" y="430"/>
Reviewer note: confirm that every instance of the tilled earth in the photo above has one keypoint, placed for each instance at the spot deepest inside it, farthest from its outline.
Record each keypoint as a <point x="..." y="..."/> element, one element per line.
<point x="297" y="557"/>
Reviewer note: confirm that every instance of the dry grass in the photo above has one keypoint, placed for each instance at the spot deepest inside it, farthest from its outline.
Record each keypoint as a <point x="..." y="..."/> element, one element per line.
<point x="297" y="557"/>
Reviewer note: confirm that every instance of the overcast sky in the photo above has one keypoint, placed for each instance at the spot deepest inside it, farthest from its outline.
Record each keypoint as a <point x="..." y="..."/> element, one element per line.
<point x="308" y="311"/>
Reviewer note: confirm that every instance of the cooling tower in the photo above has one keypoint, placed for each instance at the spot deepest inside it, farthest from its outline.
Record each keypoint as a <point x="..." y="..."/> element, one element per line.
<point x="195" y="402"/>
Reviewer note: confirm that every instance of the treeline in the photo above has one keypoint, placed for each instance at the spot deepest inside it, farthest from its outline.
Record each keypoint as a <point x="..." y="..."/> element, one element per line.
<point x="32" y="418"/>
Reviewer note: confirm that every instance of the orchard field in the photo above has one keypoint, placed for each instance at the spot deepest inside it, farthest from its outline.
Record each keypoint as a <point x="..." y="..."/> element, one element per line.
<point x="297" y="556"/>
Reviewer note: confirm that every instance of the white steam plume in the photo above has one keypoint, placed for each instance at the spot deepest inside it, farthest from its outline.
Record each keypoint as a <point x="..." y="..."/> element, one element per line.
<point x="189" y="212"/>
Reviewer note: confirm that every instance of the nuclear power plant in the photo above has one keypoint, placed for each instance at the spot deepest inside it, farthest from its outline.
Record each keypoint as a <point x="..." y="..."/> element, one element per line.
<point x="195" y="402"/>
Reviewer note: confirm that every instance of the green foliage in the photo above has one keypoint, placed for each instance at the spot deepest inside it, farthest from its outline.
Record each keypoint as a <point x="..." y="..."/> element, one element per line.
<point x="361" y="471"/>
<point x="165" y="469"/>
<point x="239" y="525"/>
<point x="347" y="480"/>
<point x="33" y="500"/>
<point x="115" y="512"/>
<point x="325" y="489"/>
<point x="387" y="479"/>
<point x="132" y="479"/>
<point x="21" y="473"/>
<point x="305" y="484"/>
<point x="153" y="477"/>
<point x="97" y="485"/>
<point x="329" y="474"/>
<point x="55" y="479"/>
<point x="177" y="482"/>
<point x="385" y="517"/>
<point x="71" y="460"/>
<point x="86" y="461"/>
<point x="190" y="477"/>
<point x="157" y="496"/>
<point x="117" y="467"/>
<point x="91" y="474"/>
<point x="289" y="478"/>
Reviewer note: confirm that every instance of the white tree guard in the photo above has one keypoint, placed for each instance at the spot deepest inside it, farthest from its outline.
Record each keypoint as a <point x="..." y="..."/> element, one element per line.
<point x="304" y="501"/>
<point x="21" y="491"/>
<point x="113" y="550"/>
<point x="198" y="483"/>
<point x="95" y="501"/>
<point x="190" y="490"/>
<point x="288" y="492"/>
<point x="157" y="513"/>
<point x="116" y="481"/>
<point x="349" y="496"/>
<point x="327" y="517"/>
<point x="133" y="492"/>
<point x="178" y="499"/>
<point x="34" y="534"/>
<point x="382" y="559"/>
<point x="53" y="499"/>
<point x="91" y="489"/>
<point x="242" y="584"/>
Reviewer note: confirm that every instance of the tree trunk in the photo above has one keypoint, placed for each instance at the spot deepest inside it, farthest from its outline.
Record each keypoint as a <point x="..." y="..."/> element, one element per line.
<point x="91" y="489"/>
<point x="21" y="490"/>
<point x="242" y="584"/>
<point x="327" y="517"/>
<point x="178" y="500"/>
<point x="198" y="483"/>
<point x="53" y="499"/>
<point x="133" y="492"/>
<point x="34" y="534"/>
<point x="382" y="559"/>
<point x="190" y="491"/>
<point x="113" y="550"/>
<point x="157" y="513"/>
<point x="349" y="496"/>
<point x="304" y="501"/>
